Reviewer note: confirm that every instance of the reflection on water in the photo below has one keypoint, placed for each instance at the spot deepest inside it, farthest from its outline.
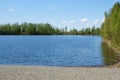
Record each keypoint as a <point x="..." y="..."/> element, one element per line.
<point x="109" y="56"/>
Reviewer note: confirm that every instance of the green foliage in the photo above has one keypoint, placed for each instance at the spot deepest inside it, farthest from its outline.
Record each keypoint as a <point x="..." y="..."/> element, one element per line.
<point x="74" y="32"/>
<point x="43" y="29"/>
<point x="111" y="27"/>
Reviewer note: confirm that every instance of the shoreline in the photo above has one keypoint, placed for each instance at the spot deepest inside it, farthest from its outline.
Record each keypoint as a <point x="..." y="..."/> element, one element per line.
<point x="116" y="52"/>
<point x="58" y="73"/>
<point x="116" y="65"/>
<point x="109" y="44"/>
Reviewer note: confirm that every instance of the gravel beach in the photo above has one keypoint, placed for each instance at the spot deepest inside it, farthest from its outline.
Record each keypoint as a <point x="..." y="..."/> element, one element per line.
<point x="58" y="73"/>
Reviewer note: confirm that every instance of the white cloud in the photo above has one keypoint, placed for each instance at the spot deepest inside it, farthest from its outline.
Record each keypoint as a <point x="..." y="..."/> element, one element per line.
<point x="11" y="9"/>
<point x="68" y="22"/>
<point x="97" y="22"/>
<point x="103" y="20"/>
<point x="84" y="20"/>
<point x="72" y="21"/>
<point x="64" y="22"/>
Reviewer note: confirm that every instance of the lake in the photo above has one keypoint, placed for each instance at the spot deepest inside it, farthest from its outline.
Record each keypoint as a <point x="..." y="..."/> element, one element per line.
<point x="54" y="50"/>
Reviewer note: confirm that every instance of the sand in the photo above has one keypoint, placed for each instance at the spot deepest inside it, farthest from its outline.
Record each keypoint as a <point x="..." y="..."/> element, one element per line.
<point x="58" y="73"/>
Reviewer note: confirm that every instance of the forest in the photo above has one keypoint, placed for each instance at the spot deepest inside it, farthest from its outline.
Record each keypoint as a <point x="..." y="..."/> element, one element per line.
<point x="43" y="29"/>
<point x="110" y="29"/>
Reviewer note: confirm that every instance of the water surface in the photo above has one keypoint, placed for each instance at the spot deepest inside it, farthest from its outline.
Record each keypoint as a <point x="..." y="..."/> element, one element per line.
<point x="51" y="50"/>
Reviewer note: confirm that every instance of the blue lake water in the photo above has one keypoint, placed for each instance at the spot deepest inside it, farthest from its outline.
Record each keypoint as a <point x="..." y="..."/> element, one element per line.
<point x="51" y="50"/>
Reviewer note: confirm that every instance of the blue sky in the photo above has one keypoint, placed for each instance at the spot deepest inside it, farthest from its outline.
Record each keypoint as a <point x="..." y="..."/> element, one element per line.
<point x="71" y="13"/>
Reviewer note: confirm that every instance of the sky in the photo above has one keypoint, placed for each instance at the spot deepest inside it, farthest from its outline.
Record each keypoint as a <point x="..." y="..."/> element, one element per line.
<point x="60" y="13"/>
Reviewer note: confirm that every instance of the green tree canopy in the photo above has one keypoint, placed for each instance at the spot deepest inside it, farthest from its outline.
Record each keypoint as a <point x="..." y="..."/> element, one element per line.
<point x="111" y="27"/>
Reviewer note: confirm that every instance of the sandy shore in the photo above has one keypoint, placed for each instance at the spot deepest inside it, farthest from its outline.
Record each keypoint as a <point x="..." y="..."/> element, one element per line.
<point x="58" y="73"/>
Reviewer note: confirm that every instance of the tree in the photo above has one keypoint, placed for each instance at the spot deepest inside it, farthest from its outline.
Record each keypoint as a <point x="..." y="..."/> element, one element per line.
<point x="110" y="29"/>
<point x="31" y="29"/>
<point x="42" y="29"/>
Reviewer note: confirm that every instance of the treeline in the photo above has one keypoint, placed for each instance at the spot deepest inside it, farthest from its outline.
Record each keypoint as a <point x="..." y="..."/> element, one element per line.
<point x="43" y="29"/>
<point x="111" y="27"/>
<point x="86" y="31"/>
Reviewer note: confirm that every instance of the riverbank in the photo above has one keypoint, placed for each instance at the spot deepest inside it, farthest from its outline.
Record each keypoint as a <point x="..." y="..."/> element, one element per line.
<point x="58" y="73"/>
<point x="116" y="51"/>
<point x="109" y="44"/>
